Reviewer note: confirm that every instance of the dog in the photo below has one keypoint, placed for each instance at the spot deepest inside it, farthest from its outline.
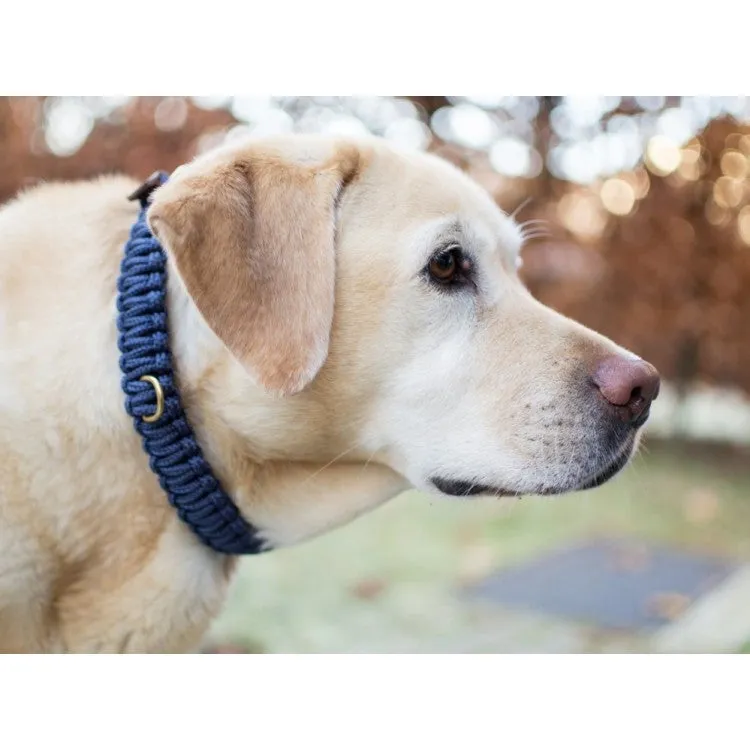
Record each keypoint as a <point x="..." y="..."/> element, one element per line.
<point x="346" y="321"/>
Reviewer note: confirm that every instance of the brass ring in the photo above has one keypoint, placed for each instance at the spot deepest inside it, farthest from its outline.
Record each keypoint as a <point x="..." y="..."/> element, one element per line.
<point x="156" y="385"/>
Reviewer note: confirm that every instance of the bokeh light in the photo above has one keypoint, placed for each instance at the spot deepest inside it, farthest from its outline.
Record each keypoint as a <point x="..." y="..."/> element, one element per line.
<point x="728" y="192"/>
<point x="734" y="164"/>
<point x="743" y="224"/>
<point x="662" y="155"/>
<point x="618" y="196"/>
<point x="68" y="125"/>
<point x="582" y="214"/>
<point x="655" y="187"/>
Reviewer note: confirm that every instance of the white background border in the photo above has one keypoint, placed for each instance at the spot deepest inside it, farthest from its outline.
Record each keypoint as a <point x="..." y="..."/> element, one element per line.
<point x="383" y="702"/>
<point x="468" y="702"/>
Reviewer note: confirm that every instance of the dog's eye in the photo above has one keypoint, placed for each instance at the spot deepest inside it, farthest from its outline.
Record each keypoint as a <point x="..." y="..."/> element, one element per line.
<point x="447" y="266"/>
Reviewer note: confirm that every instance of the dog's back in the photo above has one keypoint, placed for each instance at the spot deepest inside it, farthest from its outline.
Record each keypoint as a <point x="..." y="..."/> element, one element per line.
<point x="51" y="237"/>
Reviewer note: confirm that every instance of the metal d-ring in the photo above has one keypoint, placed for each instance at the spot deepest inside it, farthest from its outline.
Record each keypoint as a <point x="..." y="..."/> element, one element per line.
<point x="156" y="385"/>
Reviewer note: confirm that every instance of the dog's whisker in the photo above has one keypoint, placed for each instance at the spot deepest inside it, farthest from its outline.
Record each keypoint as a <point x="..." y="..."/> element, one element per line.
<point x="529" y="229"/>
<point x="330" y="463"/>
<point x="367" y="463"/>
<point x="536" y="236"/>
<point x="521" y="206"/>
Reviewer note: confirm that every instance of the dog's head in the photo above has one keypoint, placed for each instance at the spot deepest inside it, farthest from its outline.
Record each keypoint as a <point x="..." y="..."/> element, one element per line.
<point x="375" y="295"/>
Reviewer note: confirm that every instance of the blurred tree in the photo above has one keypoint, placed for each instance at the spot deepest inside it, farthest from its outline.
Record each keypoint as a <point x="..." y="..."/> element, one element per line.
<point x="127" y="140"/>
<point x="646" y="199"/>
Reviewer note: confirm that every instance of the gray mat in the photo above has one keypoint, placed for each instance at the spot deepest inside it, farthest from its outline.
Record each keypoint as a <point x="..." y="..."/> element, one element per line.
<point x="621" y="584"/>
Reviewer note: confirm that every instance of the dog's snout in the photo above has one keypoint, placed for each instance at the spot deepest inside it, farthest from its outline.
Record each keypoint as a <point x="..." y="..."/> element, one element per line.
<point x="630" y="385"/>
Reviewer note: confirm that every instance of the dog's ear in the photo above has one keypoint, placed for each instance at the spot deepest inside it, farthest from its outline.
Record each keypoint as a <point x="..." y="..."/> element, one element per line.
<point x="252" y="238"/>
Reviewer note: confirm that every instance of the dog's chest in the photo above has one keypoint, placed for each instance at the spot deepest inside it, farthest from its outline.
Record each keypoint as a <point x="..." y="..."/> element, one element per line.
<point x="101" y="545"/>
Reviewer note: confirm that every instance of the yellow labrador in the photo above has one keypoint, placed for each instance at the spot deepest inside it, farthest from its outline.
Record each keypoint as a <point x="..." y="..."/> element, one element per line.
<point x="346" y="322"/>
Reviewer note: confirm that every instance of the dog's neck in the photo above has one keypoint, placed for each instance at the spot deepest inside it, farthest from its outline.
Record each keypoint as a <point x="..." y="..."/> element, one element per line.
<point x="284" y="478"/>
<point x="222" y="398"/>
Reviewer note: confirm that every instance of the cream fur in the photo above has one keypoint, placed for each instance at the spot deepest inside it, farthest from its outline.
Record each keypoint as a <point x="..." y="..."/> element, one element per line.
<point x="413" y="384"/>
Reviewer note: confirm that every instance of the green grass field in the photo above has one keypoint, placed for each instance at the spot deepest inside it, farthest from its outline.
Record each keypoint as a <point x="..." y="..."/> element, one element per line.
<point x="391" y="581"/>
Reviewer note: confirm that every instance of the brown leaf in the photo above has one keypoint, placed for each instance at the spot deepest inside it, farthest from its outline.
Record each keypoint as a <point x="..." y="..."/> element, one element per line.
<point x="702" y="505"/>
<point x="633" y="557"/>
<point x="368" y="588"/>
<point x="669" y="604"/>
<point x="226" y="648"/>
<point x="478" y="561"/>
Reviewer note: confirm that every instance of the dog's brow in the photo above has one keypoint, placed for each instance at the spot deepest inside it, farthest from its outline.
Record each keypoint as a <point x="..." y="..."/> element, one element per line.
<point x="451" y="230"/>
<point x="441" y="232"/>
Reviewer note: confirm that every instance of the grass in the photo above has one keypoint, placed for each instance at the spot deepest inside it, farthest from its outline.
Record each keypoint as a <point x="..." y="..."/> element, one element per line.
<point x="391" y="580"/>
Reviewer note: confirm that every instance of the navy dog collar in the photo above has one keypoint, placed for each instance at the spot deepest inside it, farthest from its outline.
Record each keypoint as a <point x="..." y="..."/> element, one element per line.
<point x="153" y="400"/>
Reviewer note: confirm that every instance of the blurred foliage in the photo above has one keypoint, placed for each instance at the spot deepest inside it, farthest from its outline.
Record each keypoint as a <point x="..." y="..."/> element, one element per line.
<point x="645" y="201"/>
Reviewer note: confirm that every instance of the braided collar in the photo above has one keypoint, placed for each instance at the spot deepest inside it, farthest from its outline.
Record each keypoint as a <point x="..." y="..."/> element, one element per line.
<point x="153" y="400"/>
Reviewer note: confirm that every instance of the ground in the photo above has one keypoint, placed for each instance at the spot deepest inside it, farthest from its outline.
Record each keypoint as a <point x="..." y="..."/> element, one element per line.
<point x="394" y="581"/>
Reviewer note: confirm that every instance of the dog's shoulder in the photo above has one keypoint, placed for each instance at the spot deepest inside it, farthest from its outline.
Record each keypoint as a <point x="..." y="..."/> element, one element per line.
<point x="96" y="191"/>
<point x="54" y="220"/>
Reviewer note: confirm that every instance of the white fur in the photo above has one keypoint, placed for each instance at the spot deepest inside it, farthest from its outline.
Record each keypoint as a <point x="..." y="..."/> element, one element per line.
<point x="482" y="385"/>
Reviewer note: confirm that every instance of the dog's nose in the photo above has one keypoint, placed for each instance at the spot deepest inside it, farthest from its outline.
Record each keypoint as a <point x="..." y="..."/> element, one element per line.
<point x="630" y="385"/>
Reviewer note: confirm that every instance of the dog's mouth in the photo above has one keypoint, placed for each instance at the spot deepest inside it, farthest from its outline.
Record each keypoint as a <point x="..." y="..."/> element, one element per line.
<point x="464" y="488"/>
<point x="609" y="471"/>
